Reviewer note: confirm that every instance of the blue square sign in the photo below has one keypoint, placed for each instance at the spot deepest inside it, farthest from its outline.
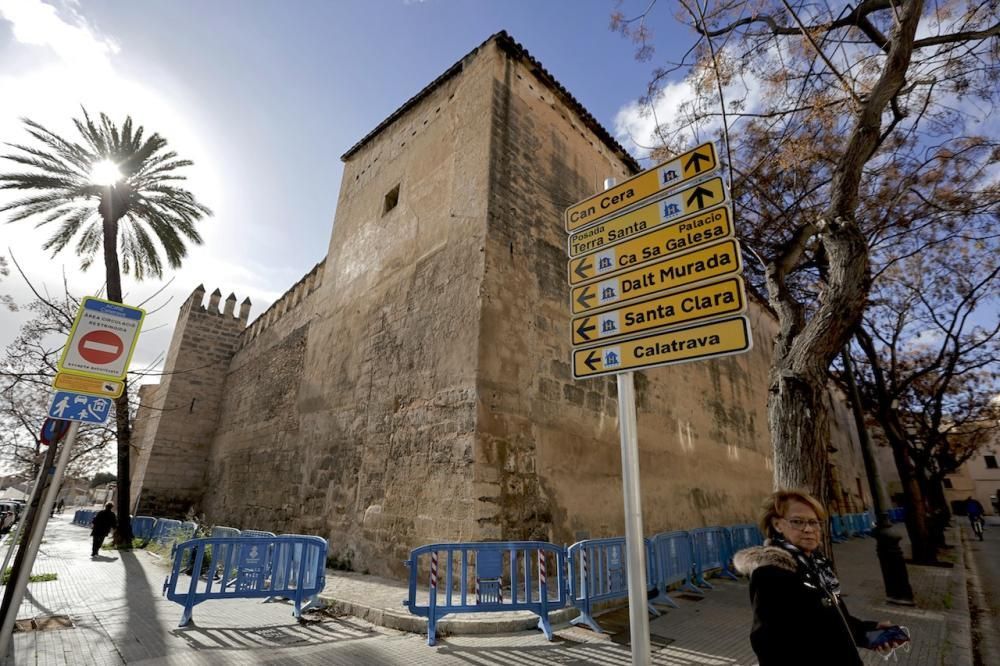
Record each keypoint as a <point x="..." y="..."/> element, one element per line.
<point x="80" y="407"/>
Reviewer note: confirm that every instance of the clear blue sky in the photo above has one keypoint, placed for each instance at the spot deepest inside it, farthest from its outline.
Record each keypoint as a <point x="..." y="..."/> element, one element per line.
<point x="265" y="97"/>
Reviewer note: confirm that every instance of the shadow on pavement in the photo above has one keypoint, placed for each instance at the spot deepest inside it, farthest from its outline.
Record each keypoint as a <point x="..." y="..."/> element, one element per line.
<point x="143" y="634"/>
<point x="271" y="636"/>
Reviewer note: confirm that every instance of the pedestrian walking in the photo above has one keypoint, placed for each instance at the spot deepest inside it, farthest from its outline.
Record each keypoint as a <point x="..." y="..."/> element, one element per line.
<point x="798" y="615"/>
<point x="59" y="507"/>
<point x="103" y="523"/>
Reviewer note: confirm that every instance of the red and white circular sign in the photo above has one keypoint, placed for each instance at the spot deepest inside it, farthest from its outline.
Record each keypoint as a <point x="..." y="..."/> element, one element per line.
<point x="100" y="347"/>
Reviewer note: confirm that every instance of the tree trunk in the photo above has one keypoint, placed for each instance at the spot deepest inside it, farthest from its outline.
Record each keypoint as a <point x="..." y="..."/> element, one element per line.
<point x="922" y="548"/>
<point x="800" y="434"/>
<point x="123" y="533"/>
<point x="938" y="510"/>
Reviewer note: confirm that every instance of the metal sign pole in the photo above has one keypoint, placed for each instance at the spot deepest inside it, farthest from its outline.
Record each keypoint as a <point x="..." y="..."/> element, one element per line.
<point x="15" y="594"/>
<point x="634" y="543"/>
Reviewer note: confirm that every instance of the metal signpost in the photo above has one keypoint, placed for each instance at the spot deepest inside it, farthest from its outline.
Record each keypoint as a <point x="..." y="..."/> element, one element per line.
<point x="654" y="271"/>
<point x="93" y="364"/>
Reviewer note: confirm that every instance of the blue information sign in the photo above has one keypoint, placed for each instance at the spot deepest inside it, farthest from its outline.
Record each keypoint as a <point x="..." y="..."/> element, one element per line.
<point x="80" y="407"/>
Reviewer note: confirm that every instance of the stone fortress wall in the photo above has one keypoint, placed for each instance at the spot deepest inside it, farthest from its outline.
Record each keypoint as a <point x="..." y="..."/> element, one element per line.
<point x="415" y="386"/>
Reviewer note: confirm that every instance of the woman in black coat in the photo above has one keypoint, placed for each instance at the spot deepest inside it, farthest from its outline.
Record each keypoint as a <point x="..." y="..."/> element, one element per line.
<point x="799" y="618"/>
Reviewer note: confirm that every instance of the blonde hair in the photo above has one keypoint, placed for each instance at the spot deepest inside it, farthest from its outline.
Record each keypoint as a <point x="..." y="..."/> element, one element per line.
<point x="776" y="505"/>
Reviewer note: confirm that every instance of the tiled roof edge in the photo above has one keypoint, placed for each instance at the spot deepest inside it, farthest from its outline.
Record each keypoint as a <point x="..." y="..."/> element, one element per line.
<point x="512" y="48"/>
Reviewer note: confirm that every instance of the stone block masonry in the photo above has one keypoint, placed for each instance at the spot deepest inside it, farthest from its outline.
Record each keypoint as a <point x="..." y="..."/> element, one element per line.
<point x="415" y="385"/>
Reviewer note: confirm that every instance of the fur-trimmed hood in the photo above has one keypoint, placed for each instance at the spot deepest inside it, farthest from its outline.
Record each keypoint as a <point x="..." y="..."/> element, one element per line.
<point x="748" y="560"/>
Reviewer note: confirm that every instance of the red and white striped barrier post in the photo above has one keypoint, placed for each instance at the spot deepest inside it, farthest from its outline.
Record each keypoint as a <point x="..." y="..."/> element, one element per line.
<point x="432" y="615"/>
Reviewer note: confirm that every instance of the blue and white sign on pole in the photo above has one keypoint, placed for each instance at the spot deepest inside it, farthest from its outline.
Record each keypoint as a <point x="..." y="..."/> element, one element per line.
<point x="79" y="407"/>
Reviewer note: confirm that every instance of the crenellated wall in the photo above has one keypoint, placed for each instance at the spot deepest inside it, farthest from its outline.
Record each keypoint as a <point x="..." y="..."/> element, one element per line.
<point x="178" y="418"/>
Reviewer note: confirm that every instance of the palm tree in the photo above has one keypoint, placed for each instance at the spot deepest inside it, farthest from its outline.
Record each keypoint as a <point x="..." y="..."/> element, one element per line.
<point x="116" y="190"/>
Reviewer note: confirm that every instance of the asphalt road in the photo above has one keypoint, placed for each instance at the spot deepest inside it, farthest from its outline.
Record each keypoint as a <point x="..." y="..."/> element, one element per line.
<point x="984" y="594"/>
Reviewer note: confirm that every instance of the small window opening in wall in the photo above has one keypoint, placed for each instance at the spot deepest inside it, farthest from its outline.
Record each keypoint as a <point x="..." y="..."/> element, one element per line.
<point x="991" y="462"/>
<point x="391" y="199"/>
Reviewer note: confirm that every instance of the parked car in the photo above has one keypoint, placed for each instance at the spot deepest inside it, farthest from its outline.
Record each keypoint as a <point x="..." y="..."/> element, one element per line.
<point x="8" y="515"/>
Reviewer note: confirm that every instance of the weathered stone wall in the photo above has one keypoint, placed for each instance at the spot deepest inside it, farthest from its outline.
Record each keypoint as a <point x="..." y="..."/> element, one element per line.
<point x="256" y="478"/>
<point x="187" y="403"/>
<point x="548" y="454"/>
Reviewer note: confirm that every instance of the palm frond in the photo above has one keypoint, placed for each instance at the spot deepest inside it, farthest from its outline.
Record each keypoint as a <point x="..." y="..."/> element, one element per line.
<point x="158" y="213"/>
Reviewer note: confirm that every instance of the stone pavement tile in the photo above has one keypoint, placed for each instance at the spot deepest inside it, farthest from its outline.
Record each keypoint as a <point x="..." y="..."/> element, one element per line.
<point x="121" y="617"/>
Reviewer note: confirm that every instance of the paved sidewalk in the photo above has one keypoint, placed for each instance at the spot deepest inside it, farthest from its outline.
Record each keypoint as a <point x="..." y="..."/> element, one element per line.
<point x="119" y="616"/>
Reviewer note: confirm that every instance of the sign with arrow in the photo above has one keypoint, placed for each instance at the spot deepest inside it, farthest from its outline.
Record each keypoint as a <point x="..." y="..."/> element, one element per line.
<point x="707" y="263"/>
<point x="710" y="301"/>
<point x="694" y="343"/>
<point x="686" y="234"/>
<point x="695" y="163"/>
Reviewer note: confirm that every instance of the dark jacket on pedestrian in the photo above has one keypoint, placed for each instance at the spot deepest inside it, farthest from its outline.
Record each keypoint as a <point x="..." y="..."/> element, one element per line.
<point x="104" y="522"/>
<point x="798" y="616"/>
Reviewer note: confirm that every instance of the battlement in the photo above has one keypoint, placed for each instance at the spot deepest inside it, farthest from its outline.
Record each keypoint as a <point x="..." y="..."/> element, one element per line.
<point x="195" y="301"/>
<point x="288" y="302"/>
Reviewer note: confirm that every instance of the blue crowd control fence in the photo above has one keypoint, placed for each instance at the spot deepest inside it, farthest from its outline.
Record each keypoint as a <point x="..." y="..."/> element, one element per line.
<point x="165" y="531"/>
<point x="480" y="577"/>
<point x="84" y="517"/>
<point x="744" y="536"/>
<point x="315" y="561"/>
<point x="220" y="554"/>
<point x="838" y="531"/>
<point x="712" y="553"/>
<point x="598" y="572"/>
<point x="143" y="527"/>
<point x="862" y="524"/>
<point x="256" y="563"/>
<point x="674" y="559"/>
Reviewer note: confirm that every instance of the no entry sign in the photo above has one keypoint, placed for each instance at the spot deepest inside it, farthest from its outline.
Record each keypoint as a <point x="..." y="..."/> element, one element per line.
<point x="101" y="347"/>
<point x="53" y="430"/>
<point x="101" y="342"/>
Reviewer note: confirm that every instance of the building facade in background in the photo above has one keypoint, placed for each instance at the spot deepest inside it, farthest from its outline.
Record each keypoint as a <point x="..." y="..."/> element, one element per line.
<point x="415" y="386"/>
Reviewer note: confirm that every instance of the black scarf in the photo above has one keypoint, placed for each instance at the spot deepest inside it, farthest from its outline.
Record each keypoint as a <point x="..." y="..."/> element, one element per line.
<point x="816" y="570"/>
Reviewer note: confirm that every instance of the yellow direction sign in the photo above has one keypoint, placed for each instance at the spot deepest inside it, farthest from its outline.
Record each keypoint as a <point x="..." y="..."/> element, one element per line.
<point x="91" y="386"/>
<point x="698" y="162"/>
<point x="709" y="301"/>
<point x="686" y="234"/>
<point x="689" y="201"/>
<point x="695" y="343"/>
<point x="698" y="265"/>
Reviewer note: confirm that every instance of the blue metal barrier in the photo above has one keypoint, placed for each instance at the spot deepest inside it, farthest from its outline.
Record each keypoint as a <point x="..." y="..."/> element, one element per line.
<point x="838" y="532"/>
<point x="257" y="573"/>
<point x="744" y="536"/>
<point x="867" y="520"/>
<point x="315" y="561"/>
<point x="143" y="527"/>
<point x="503" y="576"/>
<point x="220" y="554"/>
<point x="598" y="572"/>
<point x="84" y="517"/>
<point x="674" y="559"/>
<point x="165" y="531"/>
<point x="712" y="552"/>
